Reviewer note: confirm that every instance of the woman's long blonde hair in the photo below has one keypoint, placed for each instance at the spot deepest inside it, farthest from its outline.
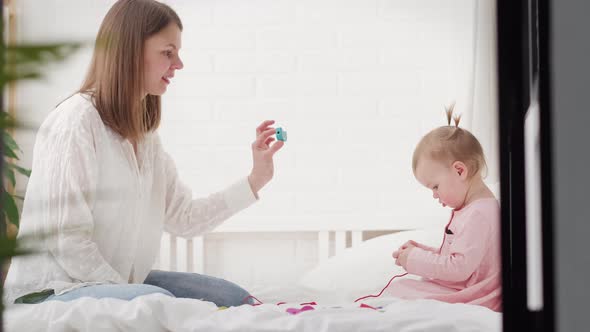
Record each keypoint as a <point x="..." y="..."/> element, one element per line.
<point x="115" y="77"/>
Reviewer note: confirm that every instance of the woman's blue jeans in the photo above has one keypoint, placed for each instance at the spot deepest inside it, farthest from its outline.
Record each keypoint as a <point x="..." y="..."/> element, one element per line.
<point x="175" y="284"/>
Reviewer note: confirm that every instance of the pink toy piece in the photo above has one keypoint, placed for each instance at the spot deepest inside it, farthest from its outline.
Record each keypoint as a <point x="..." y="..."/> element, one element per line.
<point x="367" y="306"/>
<point x="295" y="311"/>
<point x="309" y="303"/>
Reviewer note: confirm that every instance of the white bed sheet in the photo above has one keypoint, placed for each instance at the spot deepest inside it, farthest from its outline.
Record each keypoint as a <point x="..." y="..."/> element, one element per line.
<point x="158" y="312"/>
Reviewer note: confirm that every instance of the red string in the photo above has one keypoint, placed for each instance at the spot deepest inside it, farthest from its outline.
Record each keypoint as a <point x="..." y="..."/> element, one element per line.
<point x="364" y="297"/>
<point x="309" y="303"/>
<point x="401" y="275"/>
<point x="252" y="296"/>
<point x="381" y="292"/>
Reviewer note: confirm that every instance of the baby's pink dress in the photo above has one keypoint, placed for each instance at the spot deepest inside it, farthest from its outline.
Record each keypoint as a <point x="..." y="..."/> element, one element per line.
<point x="466" y="268"/>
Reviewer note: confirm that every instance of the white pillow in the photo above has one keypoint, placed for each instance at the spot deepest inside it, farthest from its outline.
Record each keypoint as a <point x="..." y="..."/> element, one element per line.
<point x="364" y="269"/>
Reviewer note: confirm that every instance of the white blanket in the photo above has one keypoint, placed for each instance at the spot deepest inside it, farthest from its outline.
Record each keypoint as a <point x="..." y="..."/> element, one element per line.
<point x="161" y="313"/>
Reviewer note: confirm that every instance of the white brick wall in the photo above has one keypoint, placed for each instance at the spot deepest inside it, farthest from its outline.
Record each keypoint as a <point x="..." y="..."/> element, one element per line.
<point x="354" y="82"/>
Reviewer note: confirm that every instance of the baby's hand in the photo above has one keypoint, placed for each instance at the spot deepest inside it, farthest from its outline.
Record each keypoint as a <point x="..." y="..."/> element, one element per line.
<point x="407" y="244"/>
<point x="401" y="255"/>
<point x="396" y="253"/>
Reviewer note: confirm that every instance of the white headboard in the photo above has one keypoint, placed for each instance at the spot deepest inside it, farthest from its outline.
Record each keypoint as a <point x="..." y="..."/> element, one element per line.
<point x="188" y="255"/>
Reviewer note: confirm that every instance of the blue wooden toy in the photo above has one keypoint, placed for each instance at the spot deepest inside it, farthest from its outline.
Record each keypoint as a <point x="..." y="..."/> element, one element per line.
<point x="281" y="134"/>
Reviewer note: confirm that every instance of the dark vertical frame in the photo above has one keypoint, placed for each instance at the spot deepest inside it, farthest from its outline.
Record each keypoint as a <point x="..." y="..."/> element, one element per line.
<point x="513" y="101"/>
<point x="522" y="64"/>
<point x="547" y="316"/>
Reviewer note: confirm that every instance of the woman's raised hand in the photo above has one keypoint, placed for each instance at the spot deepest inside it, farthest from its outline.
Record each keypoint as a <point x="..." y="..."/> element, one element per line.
<point x="262" y="154"/>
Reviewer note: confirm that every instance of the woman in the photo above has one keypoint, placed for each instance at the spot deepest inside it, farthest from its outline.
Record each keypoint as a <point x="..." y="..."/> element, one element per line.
<point x="103" y="184"/>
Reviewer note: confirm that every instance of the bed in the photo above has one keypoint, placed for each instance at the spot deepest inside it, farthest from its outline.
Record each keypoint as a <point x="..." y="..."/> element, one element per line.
<point x="160" y="313"/>
<point x="327" y="291"/>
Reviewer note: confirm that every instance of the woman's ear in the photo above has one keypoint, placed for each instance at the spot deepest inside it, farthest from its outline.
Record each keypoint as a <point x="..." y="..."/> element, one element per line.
<point x="460" y="169"/>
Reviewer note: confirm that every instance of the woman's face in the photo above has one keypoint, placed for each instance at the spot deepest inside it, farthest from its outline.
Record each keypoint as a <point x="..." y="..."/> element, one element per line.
<point x="161" y="59"/>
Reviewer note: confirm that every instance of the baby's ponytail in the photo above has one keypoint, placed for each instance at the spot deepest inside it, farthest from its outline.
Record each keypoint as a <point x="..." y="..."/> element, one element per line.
<point x="451" y="143"/>
<point x="449" y="111"/>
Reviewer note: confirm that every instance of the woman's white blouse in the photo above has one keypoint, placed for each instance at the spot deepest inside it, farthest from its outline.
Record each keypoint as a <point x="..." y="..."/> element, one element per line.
<point x="106" y="207"/>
